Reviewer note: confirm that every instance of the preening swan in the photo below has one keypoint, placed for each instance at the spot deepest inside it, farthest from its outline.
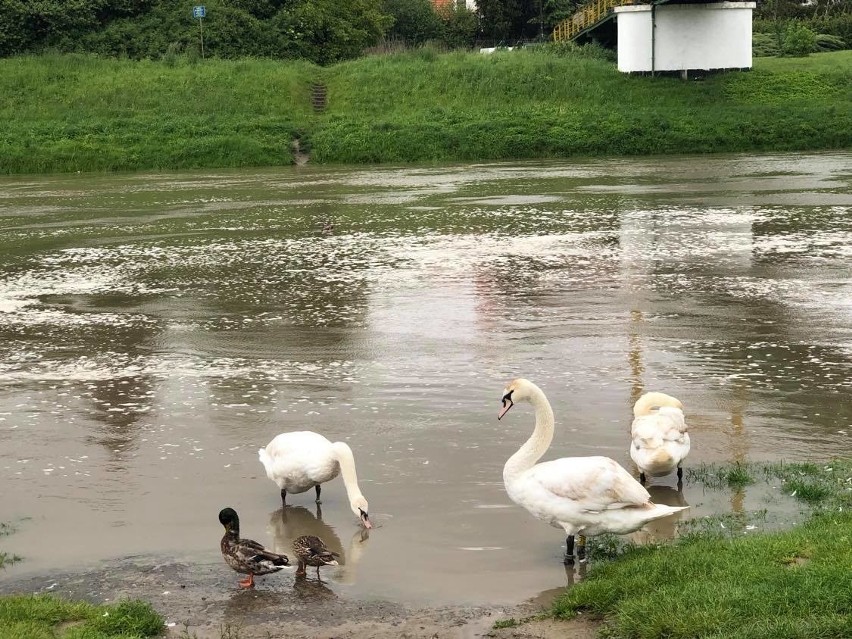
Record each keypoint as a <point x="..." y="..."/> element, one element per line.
<point x="659" y="434"/>
<point x="302" y="460"/>
<point x="582" y="495"/>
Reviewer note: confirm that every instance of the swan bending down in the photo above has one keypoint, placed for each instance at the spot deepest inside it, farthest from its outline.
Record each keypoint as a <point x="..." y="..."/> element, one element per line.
<point x="302" y="460"/>
<point x="660" y="437"/>
<point x="582" y="495"/>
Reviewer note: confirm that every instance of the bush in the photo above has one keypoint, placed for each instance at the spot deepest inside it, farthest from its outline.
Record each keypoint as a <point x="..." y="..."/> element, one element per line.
<point x="798" y="40"/>
<point x="764" y="45"/>
<point x="826" y="42"/>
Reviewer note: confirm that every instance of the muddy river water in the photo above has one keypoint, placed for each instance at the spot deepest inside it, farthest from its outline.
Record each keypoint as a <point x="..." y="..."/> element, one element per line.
<point x="157" y="329"/>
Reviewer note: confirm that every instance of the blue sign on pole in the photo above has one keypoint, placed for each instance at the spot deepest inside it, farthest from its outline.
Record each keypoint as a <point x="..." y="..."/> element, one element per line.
<point x="199" y="11"/>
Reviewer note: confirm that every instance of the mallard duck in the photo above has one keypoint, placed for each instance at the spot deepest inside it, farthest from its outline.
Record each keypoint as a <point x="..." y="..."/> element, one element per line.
<point x="311" y="551"/>
<point x="660" y="438"/>
<point x="244" y="555"/>
<point x="301" y="460"/>
<point x="582" y="495"/>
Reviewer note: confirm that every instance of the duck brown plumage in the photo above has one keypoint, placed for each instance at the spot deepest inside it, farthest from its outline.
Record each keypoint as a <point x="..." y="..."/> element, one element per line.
<point x="311" y="551"/>
<point x="245" y="555"/>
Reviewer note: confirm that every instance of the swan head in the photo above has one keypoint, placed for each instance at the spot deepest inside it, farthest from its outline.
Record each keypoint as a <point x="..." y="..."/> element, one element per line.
<point x="359" y="507"/>
<point x="518" y="390"/>
<point x="229" y="519"/>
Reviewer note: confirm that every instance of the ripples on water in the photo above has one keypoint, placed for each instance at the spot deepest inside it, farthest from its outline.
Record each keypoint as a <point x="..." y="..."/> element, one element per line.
<point x="158" y="329"/>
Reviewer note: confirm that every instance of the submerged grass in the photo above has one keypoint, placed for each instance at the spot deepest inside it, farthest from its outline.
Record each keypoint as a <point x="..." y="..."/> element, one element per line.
<point x="5" y="558"/>
<point x="47" y="617"/>
<point x="792" y="584"/>
<point x="80" y="113"/>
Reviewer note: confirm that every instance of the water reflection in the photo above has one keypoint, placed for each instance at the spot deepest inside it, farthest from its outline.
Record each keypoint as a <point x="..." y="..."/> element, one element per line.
<point x="290" y="522"/>
<point x="383" y="306"/>
<point x="666" y="528"/>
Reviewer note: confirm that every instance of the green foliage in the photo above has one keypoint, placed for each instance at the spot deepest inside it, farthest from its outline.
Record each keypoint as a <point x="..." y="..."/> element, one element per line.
<point x="34" y="617"/>
<point x="826" y="42"/>
<point x="319" y="30"/>
<point x="505" y="22"/>
<point x="460" y="27"/>
<point x="798" y="40"/>
<point x="764" y="45"/>
<point x="328" y="31"/>
<point x="81" y="113"/>
<point x="835" y="25"/>
<point x="789" y="584"/>
<point x="772" y="88"/>
<point x="414" y="21"/>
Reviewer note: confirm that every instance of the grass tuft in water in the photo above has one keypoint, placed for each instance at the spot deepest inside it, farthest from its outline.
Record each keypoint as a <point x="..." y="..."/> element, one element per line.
<point x="717" y="477"/>
<point x="5" y="558"/>
<point x="824" y="486"/>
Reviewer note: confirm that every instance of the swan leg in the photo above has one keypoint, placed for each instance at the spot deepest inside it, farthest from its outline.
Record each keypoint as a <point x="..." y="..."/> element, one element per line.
<point x="581" y="547"/>
<point x="319" y="488"/>
<point x="642" y="478"/>
<point x="569" y="550"/>
<point x="283" y="496"/>
<point x="679" y="478"/>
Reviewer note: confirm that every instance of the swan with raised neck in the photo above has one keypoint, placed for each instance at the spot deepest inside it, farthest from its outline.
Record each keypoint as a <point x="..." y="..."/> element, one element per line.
<point x="582" y="495"/>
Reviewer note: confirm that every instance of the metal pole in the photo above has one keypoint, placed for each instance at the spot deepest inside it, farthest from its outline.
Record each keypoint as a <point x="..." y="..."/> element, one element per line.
<point x="201" y="29"/>
<point x="653" y="35"/>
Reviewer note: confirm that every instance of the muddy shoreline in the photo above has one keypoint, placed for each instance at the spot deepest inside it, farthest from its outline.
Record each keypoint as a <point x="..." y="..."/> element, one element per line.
<point x="203" y="601"/>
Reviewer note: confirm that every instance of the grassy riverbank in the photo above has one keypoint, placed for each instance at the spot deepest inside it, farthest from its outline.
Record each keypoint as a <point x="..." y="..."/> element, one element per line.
<point x="43" y="617"/>
<point x="75" y="113"/>
<point x="793" y="584"/>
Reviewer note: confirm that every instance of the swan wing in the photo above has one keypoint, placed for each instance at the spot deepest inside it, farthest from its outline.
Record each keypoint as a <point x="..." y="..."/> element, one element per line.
<point x="595" y="483"/>
<point x="299" y="460"/>
<point x="665" y="425"/>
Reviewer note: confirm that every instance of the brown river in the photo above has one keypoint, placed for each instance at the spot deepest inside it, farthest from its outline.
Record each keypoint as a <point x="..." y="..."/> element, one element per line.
<point x="157" y="329"/>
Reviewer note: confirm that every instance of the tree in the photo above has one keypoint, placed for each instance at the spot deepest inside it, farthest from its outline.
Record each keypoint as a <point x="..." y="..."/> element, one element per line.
<point x="506" y="21"/>
<point x="415" y="21"/>
<point x="327" y="31"/>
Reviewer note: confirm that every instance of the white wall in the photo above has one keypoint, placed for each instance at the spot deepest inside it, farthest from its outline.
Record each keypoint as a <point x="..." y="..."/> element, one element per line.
<point x="688" y="36"/>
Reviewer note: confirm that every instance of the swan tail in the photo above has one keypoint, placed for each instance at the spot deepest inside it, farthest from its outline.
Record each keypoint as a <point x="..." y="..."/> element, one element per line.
<point x="265" y="459"/>
<point x="662" y="510"/>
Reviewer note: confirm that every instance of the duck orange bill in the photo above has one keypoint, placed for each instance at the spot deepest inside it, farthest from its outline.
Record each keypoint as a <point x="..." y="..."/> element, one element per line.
<point x="507" y="404"/>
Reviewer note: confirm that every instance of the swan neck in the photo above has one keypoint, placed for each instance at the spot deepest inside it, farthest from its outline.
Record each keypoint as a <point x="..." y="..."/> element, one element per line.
<point x="539" y="441"/>
<point x="347" y="470"/>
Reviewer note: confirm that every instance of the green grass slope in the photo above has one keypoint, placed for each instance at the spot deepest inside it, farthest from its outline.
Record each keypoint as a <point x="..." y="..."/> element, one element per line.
<point x="795" y="584"/>
<point x="79" y="113"/>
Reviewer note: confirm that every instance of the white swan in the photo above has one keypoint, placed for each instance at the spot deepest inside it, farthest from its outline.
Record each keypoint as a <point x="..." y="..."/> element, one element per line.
<point x="302" y="460"/>
<point x="582" y="495"/>
<point x="659" y="434"/>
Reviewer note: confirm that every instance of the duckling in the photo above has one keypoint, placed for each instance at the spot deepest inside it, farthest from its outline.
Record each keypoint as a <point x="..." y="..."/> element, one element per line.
<point x="311" y="551"/>
<point x="244" y="555"/>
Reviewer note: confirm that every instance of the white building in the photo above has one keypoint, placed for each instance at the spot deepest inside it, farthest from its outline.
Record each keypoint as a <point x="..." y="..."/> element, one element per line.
<point x="684" y="37"/>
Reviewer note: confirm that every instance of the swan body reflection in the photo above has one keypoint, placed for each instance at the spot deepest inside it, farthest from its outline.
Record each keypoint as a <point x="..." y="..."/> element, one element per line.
<point x="288" y="524"/>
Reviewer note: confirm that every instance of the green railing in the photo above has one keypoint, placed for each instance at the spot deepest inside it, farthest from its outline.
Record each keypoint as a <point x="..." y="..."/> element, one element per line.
<point x="587" y="16"/>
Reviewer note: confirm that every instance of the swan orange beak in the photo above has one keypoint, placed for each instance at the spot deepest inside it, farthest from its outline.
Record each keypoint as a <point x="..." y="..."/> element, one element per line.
<point x="507" y="404"/>
<point x="365" y="519"/>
